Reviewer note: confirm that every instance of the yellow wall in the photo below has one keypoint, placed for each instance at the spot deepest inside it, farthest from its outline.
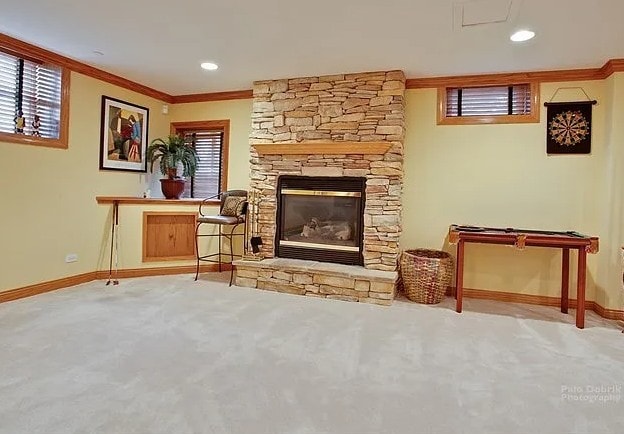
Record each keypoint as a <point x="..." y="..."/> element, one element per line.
<point x="500" y="175"/>
<point x="495" y="175"/>
<point x="48" y="199"/>
<point x="239" y="114"/>
<point x="610" y="212"/>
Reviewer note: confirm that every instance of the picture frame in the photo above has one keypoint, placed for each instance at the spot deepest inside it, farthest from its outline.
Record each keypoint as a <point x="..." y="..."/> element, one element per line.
<point x="123" y="135"/>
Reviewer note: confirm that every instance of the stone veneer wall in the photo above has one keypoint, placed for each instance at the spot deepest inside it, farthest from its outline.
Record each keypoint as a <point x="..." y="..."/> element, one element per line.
<point x="366" y="107"/>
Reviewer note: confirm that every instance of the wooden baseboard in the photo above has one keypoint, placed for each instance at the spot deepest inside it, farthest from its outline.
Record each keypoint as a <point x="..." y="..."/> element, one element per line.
<point x="509" y="297"/>
<point x="40" y="288"/>
<point x="65" y="282"/>
<point x="609" y="313"/>
<point x="540" y="300"/>
<point x="161" y="271"/>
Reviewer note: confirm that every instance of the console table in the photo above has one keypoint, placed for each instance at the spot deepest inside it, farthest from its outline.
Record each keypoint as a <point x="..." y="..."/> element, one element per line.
<point x="520" y="238"/>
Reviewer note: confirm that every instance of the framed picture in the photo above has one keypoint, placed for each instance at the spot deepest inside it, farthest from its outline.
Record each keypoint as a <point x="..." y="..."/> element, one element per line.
<point x="123" y="136"/>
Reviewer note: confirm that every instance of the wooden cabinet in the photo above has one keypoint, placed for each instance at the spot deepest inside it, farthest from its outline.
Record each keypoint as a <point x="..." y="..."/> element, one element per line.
<point x="169" y="236"/>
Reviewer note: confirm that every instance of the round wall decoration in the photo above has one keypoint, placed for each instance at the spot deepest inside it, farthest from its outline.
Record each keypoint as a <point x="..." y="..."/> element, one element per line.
<point x="569" y="128"/>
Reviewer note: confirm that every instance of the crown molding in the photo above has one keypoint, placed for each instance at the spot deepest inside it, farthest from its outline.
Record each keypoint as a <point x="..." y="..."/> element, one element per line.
<point x="28" y="50"/>
<point x="503" y="79"/>
<point x="610" y="67"/>
<point x="587" y="74"/>
<point x="22" y="48"/>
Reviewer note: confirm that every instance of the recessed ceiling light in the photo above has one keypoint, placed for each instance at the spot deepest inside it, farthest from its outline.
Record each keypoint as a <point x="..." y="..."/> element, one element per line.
<point x="522" y="35"/>
<point x="210" y="66"/>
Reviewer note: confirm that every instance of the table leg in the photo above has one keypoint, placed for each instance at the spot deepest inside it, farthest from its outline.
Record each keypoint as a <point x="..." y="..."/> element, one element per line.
<point x="459" y="276"/>
<point x="565" y="279"/>
<point x="580" y="288"/>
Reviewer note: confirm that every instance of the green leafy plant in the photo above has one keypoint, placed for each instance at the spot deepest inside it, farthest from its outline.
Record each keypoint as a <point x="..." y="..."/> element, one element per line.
<point x="172" y="151"/>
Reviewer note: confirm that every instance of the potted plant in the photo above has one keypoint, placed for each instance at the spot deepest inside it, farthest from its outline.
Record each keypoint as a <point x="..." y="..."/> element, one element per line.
<point x="173" y="152"/>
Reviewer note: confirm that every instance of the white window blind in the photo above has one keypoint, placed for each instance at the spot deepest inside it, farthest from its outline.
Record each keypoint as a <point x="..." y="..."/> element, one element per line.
<point x="40" y="95"/>
<point x="8" y="85"/>
<point x="489" y="101"/>
<point x="207" y="179"/>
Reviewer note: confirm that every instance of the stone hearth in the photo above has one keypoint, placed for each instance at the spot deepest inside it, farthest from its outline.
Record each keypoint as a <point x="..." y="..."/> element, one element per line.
<point x="318" y="279"/>
<point x="341" y="125"/>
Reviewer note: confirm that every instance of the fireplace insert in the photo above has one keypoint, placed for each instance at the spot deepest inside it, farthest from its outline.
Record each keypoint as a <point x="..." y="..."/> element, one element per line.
<point x="320" y="218"/>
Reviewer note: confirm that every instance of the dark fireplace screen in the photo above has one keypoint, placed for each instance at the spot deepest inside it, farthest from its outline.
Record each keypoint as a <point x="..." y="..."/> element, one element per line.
<point x="320" y="219"/>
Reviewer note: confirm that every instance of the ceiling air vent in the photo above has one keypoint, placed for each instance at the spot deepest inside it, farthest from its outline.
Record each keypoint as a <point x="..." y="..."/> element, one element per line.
<point x="483" y="12"/>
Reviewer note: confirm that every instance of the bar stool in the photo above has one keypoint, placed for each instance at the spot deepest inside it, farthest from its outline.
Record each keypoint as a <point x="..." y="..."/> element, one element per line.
<point x="232" y="213"/>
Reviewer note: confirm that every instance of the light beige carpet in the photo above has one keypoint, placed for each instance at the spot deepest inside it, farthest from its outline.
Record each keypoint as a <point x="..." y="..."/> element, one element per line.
<point x="169" y="355"/>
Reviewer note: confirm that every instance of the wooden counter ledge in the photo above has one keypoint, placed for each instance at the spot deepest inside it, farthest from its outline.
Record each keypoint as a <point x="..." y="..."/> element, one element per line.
<point x="129" y="200"/>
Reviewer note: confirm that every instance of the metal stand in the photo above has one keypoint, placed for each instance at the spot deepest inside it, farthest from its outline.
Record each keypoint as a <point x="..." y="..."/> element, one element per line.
<point x="233" y="221"/>
<point x="255" y="241"/>
<point x="229" y="236"/>
<point x="114" y="247"/>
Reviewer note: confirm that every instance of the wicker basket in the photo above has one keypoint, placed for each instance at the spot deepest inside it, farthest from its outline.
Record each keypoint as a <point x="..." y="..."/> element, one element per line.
<point x="425" y="274"/>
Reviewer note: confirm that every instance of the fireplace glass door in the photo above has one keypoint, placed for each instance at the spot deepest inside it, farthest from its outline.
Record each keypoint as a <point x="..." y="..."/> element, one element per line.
<point x="321" y="220"/>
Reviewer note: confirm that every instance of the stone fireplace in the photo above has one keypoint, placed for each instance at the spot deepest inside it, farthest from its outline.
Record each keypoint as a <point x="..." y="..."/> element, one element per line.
<point x="347" y="127"/>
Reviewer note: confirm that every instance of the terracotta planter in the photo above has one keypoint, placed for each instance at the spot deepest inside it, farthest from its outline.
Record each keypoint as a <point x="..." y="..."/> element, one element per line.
<point x="172" y="188"/>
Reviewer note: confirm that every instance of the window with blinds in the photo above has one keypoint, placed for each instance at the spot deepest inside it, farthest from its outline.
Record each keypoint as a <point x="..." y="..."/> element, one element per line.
<point x="490" y="104"/>
<point x="207" y="180"/>
<point x="32" y="91"/>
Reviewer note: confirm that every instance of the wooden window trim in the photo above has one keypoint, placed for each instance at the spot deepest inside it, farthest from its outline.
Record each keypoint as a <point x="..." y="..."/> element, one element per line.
<point x="224" y="125"/>
<point x="534" y="117"/>
<point x="63" y="141"/>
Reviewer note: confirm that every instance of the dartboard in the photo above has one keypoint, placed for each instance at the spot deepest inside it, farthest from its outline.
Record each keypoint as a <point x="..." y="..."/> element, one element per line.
<point x="569" y="128"/>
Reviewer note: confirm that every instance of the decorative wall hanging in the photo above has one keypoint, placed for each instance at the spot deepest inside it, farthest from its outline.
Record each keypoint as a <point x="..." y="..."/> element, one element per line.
<point x="568" y="128"/>
<point x="123" y="136"/>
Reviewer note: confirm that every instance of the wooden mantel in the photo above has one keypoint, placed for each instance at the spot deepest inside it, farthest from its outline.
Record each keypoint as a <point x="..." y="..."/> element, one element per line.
<point x="313" y="147"/>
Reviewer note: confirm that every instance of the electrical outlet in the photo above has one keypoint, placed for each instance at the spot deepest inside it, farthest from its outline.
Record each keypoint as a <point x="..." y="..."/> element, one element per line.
<point x="71" y="257"/>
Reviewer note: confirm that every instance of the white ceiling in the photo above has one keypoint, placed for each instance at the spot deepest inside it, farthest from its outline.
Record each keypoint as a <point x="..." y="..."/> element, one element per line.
<point x="161" y="45"/>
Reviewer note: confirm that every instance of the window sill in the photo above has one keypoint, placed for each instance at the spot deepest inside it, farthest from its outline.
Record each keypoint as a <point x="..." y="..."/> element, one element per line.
<point x="486" y="120"/>
<point x="129" y="200"/>
<point x="25" y="139"/>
